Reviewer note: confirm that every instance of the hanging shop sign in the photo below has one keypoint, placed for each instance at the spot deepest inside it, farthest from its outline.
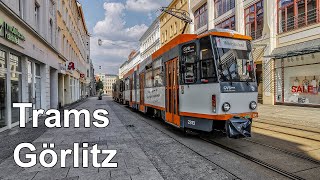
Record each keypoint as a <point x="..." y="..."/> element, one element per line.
<point x="71" y="66"/>
<point x="10" y="33"/>
<point x="82" y="76"/>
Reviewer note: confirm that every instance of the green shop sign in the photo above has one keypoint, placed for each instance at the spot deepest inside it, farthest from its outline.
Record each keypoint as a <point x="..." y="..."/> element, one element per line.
<point x="10" y="33"/>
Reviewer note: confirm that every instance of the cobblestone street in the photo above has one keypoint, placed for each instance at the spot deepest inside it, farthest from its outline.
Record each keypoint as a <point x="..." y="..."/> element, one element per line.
<point x="137" y="157"/>
<point x="146" y="149"/>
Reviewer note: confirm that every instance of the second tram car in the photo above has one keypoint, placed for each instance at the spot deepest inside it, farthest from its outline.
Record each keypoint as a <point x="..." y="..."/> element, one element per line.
<point x="117" y="91"/>
<point x="204" y="82"/>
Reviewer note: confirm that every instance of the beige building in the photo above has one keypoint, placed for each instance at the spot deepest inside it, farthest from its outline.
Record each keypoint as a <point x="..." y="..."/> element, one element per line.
<point x="286" y="43"/>
<point x="39" y="40"/>
<point x="171" y="26"/>
<point x="108" y="81"/>
<point x="73" y="44"/>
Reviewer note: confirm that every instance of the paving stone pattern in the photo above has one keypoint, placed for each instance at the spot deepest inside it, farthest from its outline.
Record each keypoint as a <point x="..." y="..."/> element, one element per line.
<point x="142" y="151"/>
<point x="172" y="159"/>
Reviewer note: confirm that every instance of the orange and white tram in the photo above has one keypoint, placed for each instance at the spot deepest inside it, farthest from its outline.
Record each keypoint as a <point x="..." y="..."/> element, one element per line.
<point x="200" y="82"/>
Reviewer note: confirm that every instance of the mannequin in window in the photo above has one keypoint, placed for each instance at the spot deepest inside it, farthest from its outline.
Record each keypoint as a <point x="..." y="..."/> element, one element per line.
<point x="305" y="84"/>
<point x="319" y="85"/>
<point x="314" y="85"/>
<point x="296" y="82"/>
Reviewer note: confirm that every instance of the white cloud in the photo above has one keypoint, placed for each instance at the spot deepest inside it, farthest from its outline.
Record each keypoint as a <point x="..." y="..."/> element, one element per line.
<point x="145" y="5"/>
<point x="118" y="39"/>
<point x="113" y="26"/>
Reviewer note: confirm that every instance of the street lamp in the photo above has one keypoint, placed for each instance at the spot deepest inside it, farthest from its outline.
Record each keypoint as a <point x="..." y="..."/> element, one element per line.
<point x="99" y="42"/>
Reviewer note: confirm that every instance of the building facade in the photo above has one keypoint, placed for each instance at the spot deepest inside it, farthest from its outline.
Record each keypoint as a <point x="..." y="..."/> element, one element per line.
<point x="150" y="40"/>
<point x="134" y="59"/>
<point x="108" y="81"/>
<point x="171" y="26"/>
<point x="31" y="58"/>
<point x="123" y="69"/>
<point x="74" y="47"/>
<point x="285" y="43"/>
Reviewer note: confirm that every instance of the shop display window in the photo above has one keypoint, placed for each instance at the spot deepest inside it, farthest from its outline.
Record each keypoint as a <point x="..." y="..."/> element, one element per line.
<point x="3" y="86"/>
<point x="298" y="85"/>
<point x="16" y="85"/>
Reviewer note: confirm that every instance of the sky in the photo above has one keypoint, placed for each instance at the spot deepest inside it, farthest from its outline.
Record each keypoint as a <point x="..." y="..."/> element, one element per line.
<point x="119" y="24"/>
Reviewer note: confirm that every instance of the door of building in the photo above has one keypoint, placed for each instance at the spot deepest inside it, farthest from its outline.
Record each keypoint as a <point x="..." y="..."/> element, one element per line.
<point x="172" y="93"/>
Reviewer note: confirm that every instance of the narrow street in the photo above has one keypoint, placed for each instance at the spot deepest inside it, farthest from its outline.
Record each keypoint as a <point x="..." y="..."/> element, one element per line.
<point x="149" y="149"/>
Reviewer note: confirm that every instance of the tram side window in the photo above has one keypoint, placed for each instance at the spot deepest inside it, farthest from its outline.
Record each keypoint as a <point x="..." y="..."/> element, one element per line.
<point x="137" y="82"/>
<point x="158" y="73"/>
<point x="207" y="66"/>
<point x="149" y="79"/>
<point x="127" y="85"/>
<point x="188" y="63"/>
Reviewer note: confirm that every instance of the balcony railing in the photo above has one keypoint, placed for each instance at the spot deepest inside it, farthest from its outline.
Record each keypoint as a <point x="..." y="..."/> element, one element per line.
<point x="256" y="34"/>
<point x="301" y="20"/>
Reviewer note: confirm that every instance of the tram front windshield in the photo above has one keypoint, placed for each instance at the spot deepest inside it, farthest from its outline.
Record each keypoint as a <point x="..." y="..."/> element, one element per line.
<point x="235" y="63"/>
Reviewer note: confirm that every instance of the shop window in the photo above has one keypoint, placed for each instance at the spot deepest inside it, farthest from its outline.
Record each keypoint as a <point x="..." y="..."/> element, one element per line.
<point x="149" y="79"/>
<point x="201" y="17"/>
<point x="223" y="6"/>
<point x="294" y="14"/>
<point x="254" y="20"/>
<point x="37" y="87"/>
<point x="228" y="24"/>
<point x="298" y="84"/>
<point x="3" y="62"/>
<point x="16" y="85"/>
<point x="3" y="92"/>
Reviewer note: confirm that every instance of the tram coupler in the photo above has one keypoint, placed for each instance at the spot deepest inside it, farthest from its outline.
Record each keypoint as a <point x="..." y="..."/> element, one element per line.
<point x="238" y="127"/>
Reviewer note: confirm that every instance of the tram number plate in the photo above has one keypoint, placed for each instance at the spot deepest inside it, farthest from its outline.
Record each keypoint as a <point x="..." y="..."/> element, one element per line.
<point x="190" y="122"/>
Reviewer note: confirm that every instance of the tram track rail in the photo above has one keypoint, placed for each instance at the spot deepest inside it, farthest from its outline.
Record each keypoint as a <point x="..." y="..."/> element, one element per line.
<point x="255" y="160"/>
<point x="175" y="139"/>
<point x="233" y="151"/>
<point x="293" y="126"/>
<point x="290" y="134"/>
<point x="297" y="155"/>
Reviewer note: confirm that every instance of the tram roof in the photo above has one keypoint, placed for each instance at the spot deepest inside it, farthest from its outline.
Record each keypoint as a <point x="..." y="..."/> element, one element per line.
<point x="182" y="38"/>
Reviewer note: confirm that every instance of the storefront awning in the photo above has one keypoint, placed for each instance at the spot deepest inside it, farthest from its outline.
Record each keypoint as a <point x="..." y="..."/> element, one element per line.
<point x="258" y="52"/>
<point x="307" y="47"/>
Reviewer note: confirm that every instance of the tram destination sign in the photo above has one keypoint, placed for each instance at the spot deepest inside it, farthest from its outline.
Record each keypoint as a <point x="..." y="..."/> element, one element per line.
<point x="228" y="43"/>
<point x="10" y="33"/>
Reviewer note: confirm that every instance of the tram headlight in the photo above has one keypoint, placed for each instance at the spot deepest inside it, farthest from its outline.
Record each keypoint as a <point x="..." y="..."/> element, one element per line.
<point x="226" y="107"/>
<point x="253" y="105"/>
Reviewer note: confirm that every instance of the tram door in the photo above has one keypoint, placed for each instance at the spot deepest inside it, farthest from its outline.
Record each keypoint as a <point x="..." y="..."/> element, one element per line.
<point x="172" y="92"/>
<point x="141" y="92"/>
